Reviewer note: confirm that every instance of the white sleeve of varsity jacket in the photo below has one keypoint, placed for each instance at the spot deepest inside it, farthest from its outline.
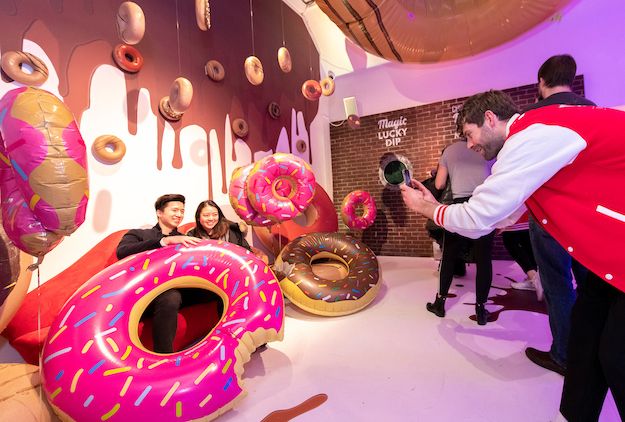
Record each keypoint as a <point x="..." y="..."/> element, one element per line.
<point x="527" y="160"/>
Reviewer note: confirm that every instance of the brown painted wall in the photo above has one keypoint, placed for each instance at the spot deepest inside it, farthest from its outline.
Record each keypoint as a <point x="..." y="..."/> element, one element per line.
<point x="356" y="157"/>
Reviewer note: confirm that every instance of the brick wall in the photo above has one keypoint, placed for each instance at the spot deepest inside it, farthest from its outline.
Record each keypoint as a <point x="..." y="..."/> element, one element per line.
<point x="357" y="156"/>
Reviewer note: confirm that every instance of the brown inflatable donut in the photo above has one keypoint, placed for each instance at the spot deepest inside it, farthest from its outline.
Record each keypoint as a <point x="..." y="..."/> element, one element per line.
<point x="328" y="297"/>
<point x="130" y="22"/>
<point x="203" y="14"/>
<point x="167" y="112"/>
<point x="284" y="59"/>
<point x="274" y="110"/>
<point x="108" y="149"/>
<point x="254" y="70"/>
<point x="12" y="65"/>
<point x="311" y="90"/>
<point x="300" y="146"/>
<point x="214" y="70"/>
<point x="128" y="58"/>
<point x="240" y="128"/>
<point x="327" y="86"/>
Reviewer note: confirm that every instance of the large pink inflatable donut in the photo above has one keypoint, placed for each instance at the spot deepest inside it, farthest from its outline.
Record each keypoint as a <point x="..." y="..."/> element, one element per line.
<point x="95" y="368"/>
<point x="281" y="186"/>
<point x="242" y="206"/>
<point x="350" y="206"/>
<point x="43" y="170"/>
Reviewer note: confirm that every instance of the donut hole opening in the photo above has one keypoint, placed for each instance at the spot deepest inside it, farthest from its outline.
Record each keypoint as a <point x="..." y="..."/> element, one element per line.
<point x="26" y="68"/>
<point x="283" y="188"/>
<point x="200" y="312"/>
<point x="393" y="172"/>
<point x="110" y="147"/>
<point x="129" y="57"/>
<point x="307" y="218"/>
<point x="329" y="268"/>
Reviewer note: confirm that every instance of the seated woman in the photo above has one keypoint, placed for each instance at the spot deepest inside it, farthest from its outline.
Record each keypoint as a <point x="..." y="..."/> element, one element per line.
<point x="210" y="223"/>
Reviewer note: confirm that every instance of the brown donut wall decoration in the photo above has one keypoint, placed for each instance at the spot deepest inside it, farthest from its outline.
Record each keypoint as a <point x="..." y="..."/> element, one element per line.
<point x="274" y="110"/>
<point x="254" y="70"/>
<point x="214" y="70"/>
<point x="203" y="14"/>
<point x="12" y="65"/>
<point x="284" y="60"/>
<point x="311" y="90"/>
<point x="173" y="106"/>
<point x="240" y="128"/>
<point x="130" y="23"/>
<point x="128" y="58"/>
<point x="300" y="146"/>
<point x="108" y="149"/>
<point x="327" y="86"/>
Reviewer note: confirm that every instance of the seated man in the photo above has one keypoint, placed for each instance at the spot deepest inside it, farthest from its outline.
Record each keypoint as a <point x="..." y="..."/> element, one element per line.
<point x="169" y="214"/>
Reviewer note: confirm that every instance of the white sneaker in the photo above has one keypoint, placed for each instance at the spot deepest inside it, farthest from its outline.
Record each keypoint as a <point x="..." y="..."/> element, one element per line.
<point x="526" y="284"/>
<point x="540" y="294"/>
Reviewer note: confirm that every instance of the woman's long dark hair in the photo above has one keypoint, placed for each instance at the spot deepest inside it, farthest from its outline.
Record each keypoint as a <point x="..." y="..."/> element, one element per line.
<point x="220" y="229"/>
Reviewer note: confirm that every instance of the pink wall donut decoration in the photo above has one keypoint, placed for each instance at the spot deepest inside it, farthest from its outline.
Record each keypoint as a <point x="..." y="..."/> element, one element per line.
<point x="95" y="368"/>
<point x="281" y="186"/>
<point x="242" y="206"/>
<point x="44" y="189"/>
<point x="349" y="208"/>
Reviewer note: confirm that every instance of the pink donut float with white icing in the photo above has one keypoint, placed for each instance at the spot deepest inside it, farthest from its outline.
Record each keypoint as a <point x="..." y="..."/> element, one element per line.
<point x="95" y="368"/>
<point x="237" y="193"/>
<point x="281" y="186"/>
<point x="349" y="209"/>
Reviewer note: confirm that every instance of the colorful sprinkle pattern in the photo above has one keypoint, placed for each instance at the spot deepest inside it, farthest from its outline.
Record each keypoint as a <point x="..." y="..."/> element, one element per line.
<point x="104" y="376"/>
<point x="288" y="175"/>
<point x="351" y="203"/>
<point x="363" y="266"/>
<point x="43" y="170"/>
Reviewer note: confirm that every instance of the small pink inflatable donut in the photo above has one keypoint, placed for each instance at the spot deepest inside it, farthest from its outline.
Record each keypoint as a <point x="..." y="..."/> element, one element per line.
<point x="242" y="206"/>
<point x="350" y="205"/>
<point x="281" y="186"/>
<point x="95" y="368"/>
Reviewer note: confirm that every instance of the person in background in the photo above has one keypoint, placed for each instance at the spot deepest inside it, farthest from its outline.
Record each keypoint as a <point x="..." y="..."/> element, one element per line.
<point x="210" y="223"/>
<point x="466" y="170"/>
<point x="169" y="214"/>
<point x="555" y="82"/>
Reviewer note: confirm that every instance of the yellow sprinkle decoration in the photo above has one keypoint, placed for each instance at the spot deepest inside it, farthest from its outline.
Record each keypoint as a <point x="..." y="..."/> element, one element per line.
<point x="160" y="362"/>
<point x="77" y="375"/>
<point x="170" y="393"/>
<point x="90" y="291"/>
<point x="58" y="333"/>
<point x="262" y="296"/>
<point x="126" y="353"/>
<point x="125" y="387"/>
<point x="87" y="346"/>
<point x="117" y="371"/>
<point x="113" y="345"/>
<point x="55" y="393"/>
<point x="206" y="400"/>
<point x="145" y="264"/>
<point x="111" y="412"/>
<point x="226" y="366"/>
<point x="172" y="267"/>
<point x="178" y="409"/>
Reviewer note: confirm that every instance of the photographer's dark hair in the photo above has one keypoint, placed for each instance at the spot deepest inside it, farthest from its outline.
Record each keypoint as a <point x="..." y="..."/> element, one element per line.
<point x="558" y="71"/>
<point x="163" y="200"/>
<point x="474" y="108"/>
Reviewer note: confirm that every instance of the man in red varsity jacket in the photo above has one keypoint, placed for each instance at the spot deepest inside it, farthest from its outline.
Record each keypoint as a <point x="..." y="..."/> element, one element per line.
<point x="566" y="164"/>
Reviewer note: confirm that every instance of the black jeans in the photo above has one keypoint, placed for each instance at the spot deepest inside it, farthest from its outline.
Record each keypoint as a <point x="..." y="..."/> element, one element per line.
<point x="596" y="352"/>
<point x="518" y="245"/>
<point x="164" y="310"/>
<point x="453" y="244"/>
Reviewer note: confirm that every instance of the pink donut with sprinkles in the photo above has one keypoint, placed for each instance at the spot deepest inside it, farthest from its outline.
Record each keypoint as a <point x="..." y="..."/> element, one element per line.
<point x="349" y="208"/>
<point x="237" y="193"/>
<point x="281" y="186"/>
<point x="95" y="368"/>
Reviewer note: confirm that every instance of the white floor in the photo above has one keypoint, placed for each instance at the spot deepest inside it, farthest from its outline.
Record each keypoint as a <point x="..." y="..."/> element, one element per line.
<point x="394" y="361"/>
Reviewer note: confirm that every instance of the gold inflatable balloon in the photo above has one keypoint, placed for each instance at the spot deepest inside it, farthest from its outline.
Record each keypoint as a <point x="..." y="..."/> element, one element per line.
<point x="433" y="31"/>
